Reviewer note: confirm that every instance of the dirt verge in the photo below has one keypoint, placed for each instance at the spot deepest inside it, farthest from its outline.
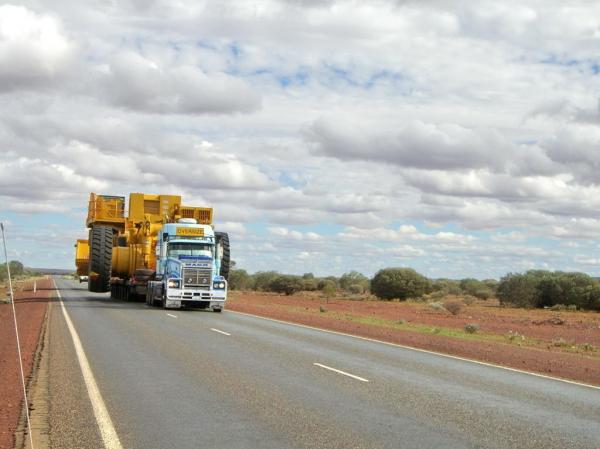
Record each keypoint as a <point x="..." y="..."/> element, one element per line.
<point x="31" y="312"/>
<point x="529" y="340"/>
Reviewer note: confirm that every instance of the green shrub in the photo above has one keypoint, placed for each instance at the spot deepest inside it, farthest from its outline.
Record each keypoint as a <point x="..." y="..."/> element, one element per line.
<point x="239" y="280"/>
<point x="400" y="283"/>
<point x="329" y="289"/>
<point x="483" y="293"/>
<point x="356" y="289"/>
<point x="309" y="284"/>
<point x="438" y="307"/>
<point x="439" y="294"/>
<point x="329" y="279"/>
<point x="448" y="286"/>
<point x="520" y="289"/>
<point x="16" y="269"/>
<point x="286" y="283"/>
<point x="262" y="280"/>
<point x="353" y="279"/>
<point x="549" y="289"/>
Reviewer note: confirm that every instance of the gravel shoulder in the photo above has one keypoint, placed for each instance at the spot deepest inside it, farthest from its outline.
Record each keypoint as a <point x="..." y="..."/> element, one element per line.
<point x="31" y="311"/>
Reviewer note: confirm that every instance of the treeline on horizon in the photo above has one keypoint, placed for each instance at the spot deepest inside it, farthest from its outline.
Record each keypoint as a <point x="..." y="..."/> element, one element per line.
<point x="532" y="289"/>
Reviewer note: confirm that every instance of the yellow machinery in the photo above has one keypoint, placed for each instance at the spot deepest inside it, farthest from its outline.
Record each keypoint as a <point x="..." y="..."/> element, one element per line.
<point x="118" y="245"/>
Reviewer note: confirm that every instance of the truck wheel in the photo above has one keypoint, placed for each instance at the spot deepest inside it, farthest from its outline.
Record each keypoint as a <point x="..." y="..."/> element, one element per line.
<point x="223" y="240"/>
<point x="101" y="241"/>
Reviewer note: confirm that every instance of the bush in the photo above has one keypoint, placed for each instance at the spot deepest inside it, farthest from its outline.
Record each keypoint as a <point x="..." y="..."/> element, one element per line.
<point x="16" y="269"/>
<point x="353" y="279"/>
<point x="262" y="280"/>
<point x="438" y="307"/>
<point x="479" y="289"/>
<point x="356" y="289"/>
<point x="309" y="284"/>
<point x="471" y="328"/>
<point x="401" y="283"/>
<point x="239" y="280"/>
<point x="329" y="289"/>
<point x="287" y="284"/>
<point x="453" y="306"/>
<point x="329" y="279"/>
<point x="448" y="286"/>
<point x="520" y="289"/>
<point x="483" y="294"/>
<point x="468" y="300"/>
<point x="439" y="294"/>
<point x="548" y="289"/>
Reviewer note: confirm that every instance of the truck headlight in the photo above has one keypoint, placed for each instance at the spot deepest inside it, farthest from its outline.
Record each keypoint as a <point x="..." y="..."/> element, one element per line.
<point x="174" y="283"/>
<point x="220" y="285"/>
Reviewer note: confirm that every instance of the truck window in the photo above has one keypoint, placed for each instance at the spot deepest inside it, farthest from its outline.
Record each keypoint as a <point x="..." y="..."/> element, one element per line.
<point x="189" y="249"/>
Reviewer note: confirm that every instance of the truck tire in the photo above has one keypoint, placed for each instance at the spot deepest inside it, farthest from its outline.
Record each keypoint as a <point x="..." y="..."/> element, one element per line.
<point x="101" y="241"/>
<point x="223" y="241"/>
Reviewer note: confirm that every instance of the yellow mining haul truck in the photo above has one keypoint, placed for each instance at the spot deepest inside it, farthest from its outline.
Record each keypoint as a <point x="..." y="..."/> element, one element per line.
<point x="160" y="244"/>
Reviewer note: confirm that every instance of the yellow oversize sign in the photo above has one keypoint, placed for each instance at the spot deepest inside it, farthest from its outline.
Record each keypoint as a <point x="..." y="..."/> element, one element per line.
<point x="196" y="232"/>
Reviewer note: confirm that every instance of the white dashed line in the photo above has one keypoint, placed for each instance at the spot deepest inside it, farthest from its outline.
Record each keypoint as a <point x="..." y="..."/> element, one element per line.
<point x="362" y="379"/>
<point x="171" y="315"/>
<point x="411" y="348"/>
<point x="107" y="430"/>
<point x="220" y="332"/>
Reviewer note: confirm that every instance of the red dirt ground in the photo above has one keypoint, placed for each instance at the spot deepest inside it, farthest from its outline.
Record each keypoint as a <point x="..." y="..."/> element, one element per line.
<point x="539" y="354"/>
<point x="31" y="310"/>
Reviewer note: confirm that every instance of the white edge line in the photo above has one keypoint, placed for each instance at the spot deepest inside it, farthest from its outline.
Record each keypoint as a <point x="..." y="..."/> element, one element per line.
<point x="362" y="379"/>
<point x="455" y="357"/>
<point x="220" y="332"/>
<point x="171" y="315"/>
<point x="107" y="430"/>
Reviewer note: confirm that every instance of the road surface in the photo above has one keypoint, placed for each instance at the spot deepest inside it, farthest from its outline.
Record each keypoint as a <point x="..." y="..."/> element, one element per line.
<point x="194" y="379"/>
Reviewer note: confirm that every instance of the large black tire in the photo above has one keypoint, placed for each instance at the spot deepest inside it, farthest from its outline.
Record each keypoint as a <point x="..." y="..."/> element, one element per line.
<point x="101" y="244"/>
<point x="223" y="241"/>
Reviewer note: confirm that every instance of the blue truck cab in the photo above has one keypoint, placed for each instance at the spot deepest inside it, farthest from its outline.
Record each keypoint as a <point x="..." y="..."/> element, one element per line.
<point x="188" y="267"/>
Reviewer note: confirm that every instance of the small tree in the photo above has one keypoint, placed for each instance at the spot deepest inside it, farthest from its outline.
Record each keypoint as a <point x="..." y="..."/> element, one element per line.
<point x="354" y="278"/>
<point x="239" y="280"/>
<point x="262" y="280"/>
<point x="309" y="284"/>
<point x="287" y="284"/>
<point x="401" y="283"/>
<point x="329" y="289"/>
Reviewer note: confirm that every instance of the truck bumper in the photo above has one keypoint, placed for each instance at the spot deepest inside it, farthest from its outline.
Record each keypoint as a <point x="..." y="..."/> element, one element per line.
<point x="195" y="302"/>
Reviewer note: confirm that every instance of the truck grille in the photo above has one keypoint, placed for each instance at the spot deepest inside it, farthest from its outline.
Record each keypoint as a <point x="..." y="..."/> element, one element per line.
<point x="196" y="277"/>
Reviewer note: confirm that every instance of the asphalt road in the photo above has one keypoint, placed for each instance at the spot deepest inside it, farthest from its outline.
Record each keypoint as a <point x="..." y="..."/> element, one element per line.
<point x="194" y="379"/>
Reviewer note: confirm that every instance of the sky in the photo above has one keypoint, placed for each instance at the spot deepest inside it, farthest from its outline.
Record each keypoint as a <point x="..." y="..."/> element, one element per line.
<point x="459" y="138"/>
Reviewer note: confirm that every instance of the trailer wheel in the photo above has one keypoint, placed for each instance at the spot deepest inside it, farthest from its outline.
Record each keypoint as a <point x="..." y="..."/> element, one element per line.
<point x="223" y="241"/>
<point x="101" y="241"/>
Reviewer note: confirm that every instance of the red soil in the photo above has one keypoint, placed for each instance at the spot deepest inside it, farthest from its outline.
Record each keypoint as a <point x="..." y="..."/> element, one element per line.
<point x="545" y="357"/>
<point x="31" y="310"/>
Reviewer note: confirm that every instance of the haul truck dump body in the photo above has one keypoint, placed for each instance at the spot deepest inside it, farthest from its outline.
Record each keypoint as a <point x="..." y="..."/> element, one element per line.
<point x="162" y="251"/>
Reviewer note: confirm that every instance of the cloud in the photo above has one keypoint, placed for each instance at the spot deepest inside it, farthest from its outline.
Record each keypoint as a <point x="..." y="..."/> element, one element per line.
<point x="415" y="144"/>
<point x="34" y="51"/>
<point x="134" y="82"/>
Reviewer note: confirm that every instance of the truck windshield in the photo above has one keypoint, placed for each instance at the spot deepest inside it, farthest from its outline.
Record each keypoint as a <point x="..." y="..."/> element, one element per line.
<point x="189" y="249"/>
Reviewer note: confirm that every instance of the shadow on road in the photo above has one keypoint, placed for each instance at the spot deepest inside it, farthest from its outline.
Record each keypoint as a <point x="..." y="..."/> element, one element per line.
<point x="106" y="302"/>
